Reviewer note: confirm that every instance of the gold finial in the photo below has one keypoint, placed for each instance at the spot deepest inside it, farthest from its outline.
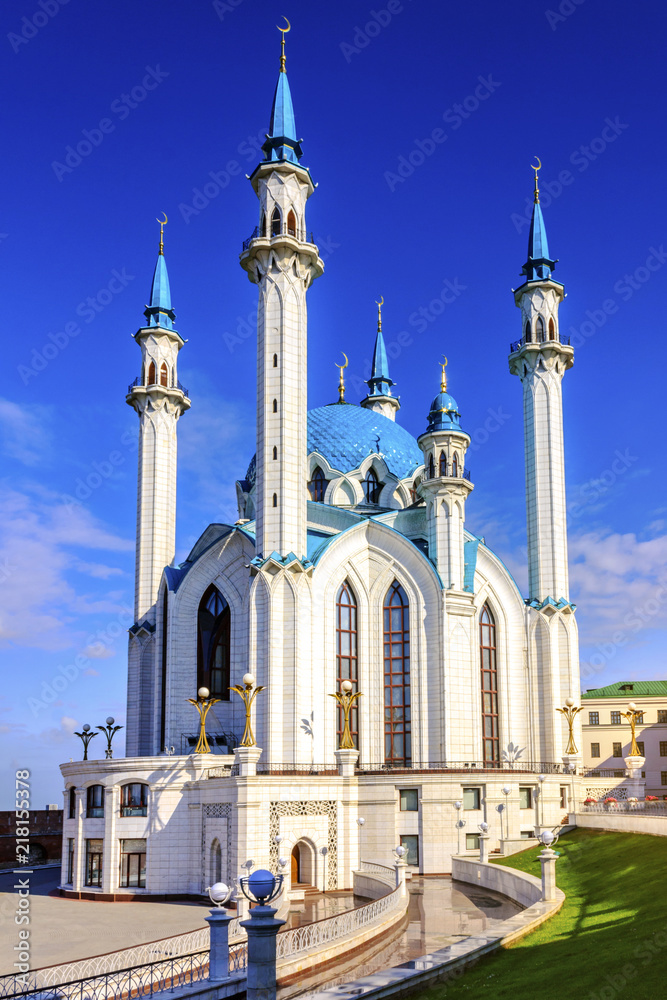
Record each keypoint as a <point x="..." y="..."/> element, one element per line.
<point x="443" y="379"/>
<point x="536" y="169"/>
<point x="341" y="380"/>
<point x="379" y="305"/>
<point x="282" y="43"/>
<point x="162" y="225"/>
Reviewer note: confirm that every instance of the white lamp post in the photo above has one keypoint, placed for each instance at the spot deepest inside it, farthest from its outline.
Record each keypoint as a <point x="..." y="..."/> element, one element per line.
<point x="506" y="792"/>
<point x="483" y="838"/>
<point x="460" y="823"/>
<point x="218" y="920"/>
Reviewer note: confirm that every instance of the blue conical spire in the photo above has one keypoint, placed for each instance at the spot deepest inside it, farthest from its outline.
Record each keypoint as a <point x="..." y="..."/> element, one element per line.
<point x="281" y="142"/>
<point x="444" y="413"/>
<point x="539" y="264"/>
<point x="379" y="384"/>
<point x="159" y="312"/>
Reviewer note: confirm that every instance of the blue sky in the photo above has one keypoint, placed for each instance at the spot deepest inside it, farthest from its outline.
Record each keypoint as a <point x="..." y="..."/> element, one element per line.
<point x="419" y="123"/>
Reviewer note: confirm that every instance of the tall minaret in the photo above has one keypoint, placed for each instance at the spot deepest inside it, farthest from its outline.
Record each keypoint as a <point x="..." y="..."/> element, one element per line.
<point x="282" y="260"/>
<point x="540" y="359"/>
<point x="445" y="486"/>
<point x="379" y="396"/>
<point x="159" y="399"/>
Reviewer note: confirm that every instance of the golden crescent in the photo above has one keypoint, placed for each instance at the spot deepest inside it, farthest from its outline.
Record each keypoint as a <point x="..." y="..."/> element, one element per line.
<point x="166" y="220"/>
<point x="381" y="302"/>
<point x="539" y="164"/>
<point x="285" y="30"/>
<point x="344" y="355"/>
<point x="443" y="365"/>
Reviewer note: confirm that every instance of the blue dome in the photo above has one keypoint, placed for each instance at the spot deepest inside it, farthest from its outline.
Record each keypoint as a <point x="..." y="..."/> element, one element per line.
<point x="444" y="414"/>
<point x="345" y="435"/>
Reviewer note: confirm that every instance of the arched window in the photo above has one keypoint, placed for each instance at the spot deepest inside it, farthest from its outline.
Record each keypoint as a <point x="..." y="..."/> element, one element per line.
<point x="529" y="335"/>
<point x="539" y="329"/>
<point x="552" y="329"/>
<point x="372" y="487"/>
<point x="487" y="642"/>
<point x="443" y="464"/>
<point x="262" y="225"/>
<point x="455" y="465"/>
<point x="275" y="453"/>
<point x="276" y="222"/>
<point x="346" y="654"/>
<point x="134" y="799"/>
<point x="213" y="644"/>
<point x="72" y="803"/>
<point x="275" y="405"/>
<point x="431" y="467"/>
<point x="151" y="374"/>
<point x="95" y="801"/>
<point x="164" y="374"/>
<point x="317" y="485"/>
<point x="291" y="223"/>
<point x="397" y="739"/>
<point x="275" y="499"/>
<point x="216" y="861"/>
<point x="275" y="360"/>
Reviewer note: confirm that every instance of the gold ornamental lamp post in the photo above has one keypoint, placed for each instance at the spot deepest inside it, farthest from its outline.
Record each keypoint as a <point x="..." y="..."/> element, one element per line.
<point x="109" y="731"/>
<point x="203" y="703"/>
<point x="570" y="711"/>
<point x="85" y="736"/>
<point x="632" y="715"/>
<point x="346" y="701"/>
<point x="248" y="693"/>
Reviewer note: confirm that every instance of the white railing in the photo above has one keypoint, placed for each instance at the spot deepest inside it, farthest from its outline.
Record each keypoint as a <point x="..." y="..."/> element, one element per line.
<point x="645" y="808"/>
<point x="312" y="937"/>
<point x="100" y="965"/>
<point x="383" y="872"/>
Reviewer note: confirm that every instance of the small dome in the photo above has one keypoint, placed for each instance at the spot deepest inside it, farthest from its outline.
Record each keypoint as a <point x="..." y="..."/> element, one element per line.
<point x="345" y="434"/>
<point x="444" y="414"/>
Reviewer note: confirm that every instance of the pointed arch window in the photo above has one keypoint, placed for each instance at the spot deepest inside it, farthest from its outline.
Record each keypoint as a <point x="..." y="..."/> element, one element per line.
<point x="318" y="485"/>
<point x="276" y="222"/>
<point x="397" y="719"/>
<point x="529" y="335"/>
<point x="262" y="225"/>
<point x="372" y="487"/>
<point x="275" y="360"/>
<point x="431" y="467"/>
<point x="489" y="679"/>
<point x="275" y="405"/>
<point x="164" y="374"/>
<point x="346" y="654"/>
<point x="213" y="643"/>
<point x="291" y="224"/>
<point x="552" y="329"/>
<point x="151" y="374"/>
<point x="275" y="453"/>
<point x="443" y="464"/>
<point x="539" y="329"/>
<point x="455" y="465"/>
<point x="275" y="499"/>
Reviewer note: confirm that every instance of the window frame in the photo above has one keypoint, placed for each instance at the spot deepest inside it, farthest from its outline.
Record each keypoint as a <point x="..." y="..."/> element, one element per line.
<point x="474" y="792"/>
<point x="408" y="795"/>
<point x="70" y="861"/>
<point x="617" y="749"/>
<point x="347" y="664"/>
<point x="595" y="750"/>
<point x="397" y="707"/>
<point x="593" y="718"/>
<point x="474" y="837"/>
<point x="372" y="487"/>
<point x="95" y="801"/>
<point x="530" y="796"/>
<point x="414" y="841"/>
<point x="125" y="865"/>
<point x="214" y="632"/>
<point x="130" y="807"/>
<point x="317" y="485"/>
<point x="488" y="656"/>
<point x="94" y="861"/>
<point x="615" y="718"/>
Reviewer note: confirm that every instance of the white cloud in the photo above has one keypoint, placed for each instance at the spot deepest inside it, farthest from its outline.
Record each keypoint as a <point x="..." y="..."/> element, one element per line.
<point x="97" y="651"/>
<point x="25" y="435"/>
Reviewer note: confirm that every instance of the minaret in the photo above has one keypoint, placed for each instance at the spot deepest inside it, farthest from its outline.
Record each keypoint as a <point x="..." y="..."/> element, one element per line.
<point x="540" y="359"/>
<point x="282" y="261"/>
<point x="379" y="396"/>
<point x="159" y="399"/>
<point x="445" y="486"/>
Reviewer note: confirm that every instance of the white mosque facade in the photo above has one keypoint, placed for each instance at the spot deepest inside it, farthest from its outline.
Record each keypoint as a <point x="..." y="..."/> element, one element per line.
<point x="350" y="561"/>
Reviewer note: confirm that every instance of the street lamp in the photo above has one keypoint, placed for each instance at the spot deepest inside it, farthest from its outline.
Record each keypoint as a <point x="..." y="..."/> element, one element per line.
<point x="360" y="824"/>
<point x="570" y="711"/>
<point x="203" y="703"/>
<point x="460" y="823"/>
<point x="248" y="693"/>
<point x="85" y="736"/>
<point x="632" y="716"/>
<point x="109" y="731"/>
<point x="219" y="920"/>
<point x="262" y="886"/>
<point x="506" y="791"/>
<point x="540" y="794"/>
<point x="346" y="701"/>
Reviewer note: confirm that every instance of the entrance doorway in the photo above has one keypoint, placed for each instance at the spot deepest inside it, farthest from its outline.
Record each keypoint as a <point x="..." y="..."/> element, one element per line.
<point x="296" y="865"/>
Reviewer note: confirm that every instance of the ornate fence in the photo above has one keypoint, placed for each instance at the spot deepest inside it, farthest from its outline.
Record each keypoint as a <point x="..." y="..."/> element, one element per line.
<point x="626" y="806"/>
<point x="313" y="937"/>
<point x="383" y="872"/>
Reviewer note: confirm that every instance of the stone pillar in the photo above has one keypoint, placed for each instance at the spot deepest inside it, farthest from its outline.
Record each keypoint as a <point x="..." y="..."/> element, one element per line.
<point x="483" y="847"/>
<point x="218" y="962"/>
<point x="548" y="861"/>
<point x="346" y="760"/>
<point x="246" y="758"/>
<point x="109" y="852"/>
<point x="262" y="929"/>
<point x="634" y="782"/>
<point x="78" y="875"/>
<point x="400" y="867"/>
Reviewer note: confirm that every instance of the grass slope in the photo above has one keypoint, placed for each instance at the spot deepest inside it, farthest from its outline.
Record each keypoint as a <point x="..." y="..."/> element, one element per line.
<point x="608" y="941"/>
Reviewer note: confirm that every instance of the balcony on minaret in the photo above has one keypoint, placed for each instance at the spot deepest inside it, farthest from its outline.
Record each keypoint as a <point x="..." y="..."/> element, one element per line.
<point x="279" y="234"/>
<point x="173" y="386"/>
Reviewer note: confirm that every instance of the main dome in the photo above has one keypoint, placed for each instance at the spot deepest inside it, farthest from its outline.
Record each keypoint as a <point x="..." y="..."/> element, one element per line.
<point x="345" y="434"/>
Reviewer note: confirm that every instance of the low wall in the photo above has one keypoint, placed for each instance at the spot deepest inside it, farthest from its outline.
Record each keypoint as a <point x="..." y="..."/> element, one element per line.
<point x="370" y="886"/>
<point x="621" y="822"/>
<point x="449" y="963"/>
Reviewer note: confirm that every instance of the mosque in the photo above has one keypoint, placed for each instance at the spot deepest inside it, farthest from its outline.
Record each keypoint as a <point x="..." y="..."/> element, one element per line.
<point x="349" y="562"/>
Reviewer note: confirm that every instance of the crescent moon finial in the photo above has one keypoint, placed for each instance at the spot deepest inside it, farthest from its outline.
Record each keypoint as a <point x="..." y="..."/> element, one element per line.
<point x="162" y="225"/>
<point x="443" y="380"/>
<point x="282" y="42"/>
<point x="341" y="380"/>
<point x="536" y="169"/>
<point x="379" y="305"/>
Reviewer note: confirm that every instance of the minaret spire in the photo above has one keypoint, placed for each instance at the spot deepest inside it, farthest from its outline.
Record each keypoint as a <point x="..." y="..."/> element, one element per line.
<point x="341" y="379"/>
<point x="283" y="32"/>
<point x="379" y="396"/>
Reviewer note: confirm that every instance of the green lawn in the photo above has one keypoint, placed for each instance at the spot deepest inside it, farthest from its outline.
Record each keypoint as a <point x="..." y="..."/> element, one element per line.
<point x="608" y="941"/>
